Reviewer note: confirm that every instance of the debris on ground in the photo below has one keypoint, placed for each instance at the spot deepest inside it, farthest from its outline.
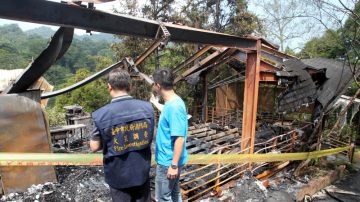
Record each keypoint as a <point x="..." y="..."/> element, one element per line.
<point x="347" y="189"/>
<point x="78" y="184"/>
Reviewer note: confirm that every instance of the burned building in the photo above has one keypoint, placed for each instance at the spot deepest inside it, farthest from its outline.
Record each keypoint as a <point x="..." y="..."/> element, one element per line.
<point x="263" y="78"/>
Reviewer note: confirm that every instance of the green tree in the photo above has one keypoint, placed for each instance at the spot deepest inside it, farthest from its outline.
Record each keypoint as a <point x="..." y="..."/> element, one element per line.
<point x="339" y="43"/>
<point x="330" y="45"/>
<point x="241" y="20"/>
<point x="289" y="51"/>
<point x="57" y="75"/>
<point x="351" y="35"/>
<point x="342" y="43"/>
<point x="18" y="49"/>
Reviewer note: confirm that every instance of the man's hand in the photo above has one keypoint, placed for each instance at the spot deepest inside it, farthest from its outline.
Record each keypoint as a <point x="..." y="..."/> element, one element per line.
<point x="172" y="173"/>
<point x="95" y="145"/>
<point x="153" y="99"/>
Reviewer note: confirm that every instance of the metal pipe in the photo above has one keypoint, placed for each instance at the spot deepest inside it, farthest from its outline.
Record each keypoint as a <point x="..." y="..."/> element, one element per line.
<point x="83" y="82"/>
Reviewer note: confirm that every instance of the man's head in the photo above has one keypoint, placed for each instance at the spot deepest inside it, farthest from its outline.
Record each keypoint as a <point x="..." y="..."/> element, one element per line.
<point x="163" y="81"/>
<point x="119" y="81"/>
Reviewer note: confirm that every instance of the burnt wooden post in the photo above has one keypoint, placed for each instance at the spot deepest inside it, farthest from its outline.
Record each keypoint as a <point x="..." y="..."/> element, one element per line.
<point x="205" y="98"/>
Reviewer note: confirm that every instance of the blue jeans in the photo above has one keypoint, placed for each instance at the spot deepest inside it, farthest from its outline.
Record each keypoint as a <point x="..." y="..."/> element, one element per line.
<point x="166" y="189"/>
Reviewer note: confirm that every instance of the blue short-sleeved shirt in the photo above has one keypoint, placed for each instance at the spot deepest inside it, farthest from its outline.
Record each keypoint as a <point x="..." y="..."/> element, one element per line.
<point x="172" y="123"/>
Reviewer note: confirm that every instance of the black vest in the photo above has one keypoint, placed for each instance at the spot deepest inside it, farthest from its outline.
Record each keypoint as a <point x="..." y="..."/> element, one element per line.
<point x="126" y="126"/>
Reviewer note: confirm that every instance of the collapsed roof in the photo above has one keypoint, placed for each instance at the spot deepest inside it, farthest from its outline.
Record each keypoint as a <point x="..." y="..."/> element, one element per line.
<point x="316" y="79"/>
<point x="307" y="80"/>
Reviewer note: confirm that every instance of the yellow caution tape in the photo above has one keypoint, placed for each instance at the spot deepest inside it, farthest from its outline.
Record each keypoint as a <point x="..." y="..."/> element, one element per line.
<point x="52" y="159"/>
<point x="256" y="158"/>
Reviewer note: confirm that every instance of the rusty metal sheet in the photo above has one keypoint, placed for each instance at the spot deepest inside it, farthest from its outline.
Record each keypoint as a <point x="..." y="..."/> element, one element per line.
<point x="231" y="95"/>
<point x="221" y="101"/>
<point x="23" y="128"/>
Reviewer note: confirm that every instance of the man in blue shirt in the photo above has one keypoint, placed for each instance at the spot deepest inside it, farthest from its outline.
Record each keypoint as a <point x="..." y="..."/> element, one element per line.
<point x="170" y="151"/>
<point x="124" y="130"/>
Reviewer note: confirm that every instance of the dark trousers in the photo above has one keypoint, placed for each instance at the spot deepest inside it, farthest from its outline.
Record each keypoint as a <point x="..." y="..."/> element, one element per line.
<point x="132" y="194"/>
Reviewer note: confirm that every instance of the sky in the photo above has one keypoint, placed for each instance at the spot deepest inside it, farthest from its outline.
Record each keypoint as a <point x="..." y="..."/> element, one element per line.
<point x="27" y="26"/>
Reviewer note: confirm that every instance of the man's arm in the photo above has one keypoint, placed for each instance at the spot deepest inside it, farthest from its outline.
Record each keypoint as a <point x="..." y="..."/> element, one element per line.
<point x="177" y="122"/>
<point x="178" y="148"/>
<point x="95" y="140"/>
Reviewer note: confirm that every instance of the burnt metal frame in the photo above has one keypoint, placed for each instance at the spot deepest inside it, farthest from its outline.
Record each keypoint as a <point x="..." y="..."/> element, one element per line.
<point x="75" y="16"/>
<point x="258" y="68"/>
<point x="202" y="64"/>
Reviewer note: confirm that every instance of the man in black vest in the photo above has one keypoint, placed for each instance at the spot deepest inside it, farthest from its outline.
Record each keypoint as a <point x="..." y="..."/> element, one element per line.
<point x="124" y="130"/>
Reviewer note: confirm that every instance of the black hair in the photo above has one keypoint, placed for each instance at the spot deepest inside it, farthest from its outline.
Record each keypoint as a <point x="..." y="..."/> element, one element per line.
<point x="165" y="78"/>
<point x="119" y="79"/>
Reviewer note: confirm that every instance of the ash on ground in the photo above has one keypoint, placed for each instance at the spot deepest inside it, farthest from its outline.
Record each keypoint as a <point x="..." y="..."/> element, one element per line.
<point x="79" y="184"/>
